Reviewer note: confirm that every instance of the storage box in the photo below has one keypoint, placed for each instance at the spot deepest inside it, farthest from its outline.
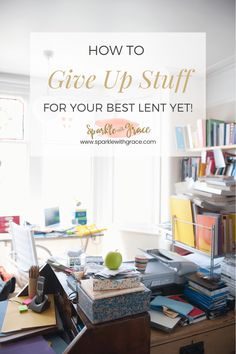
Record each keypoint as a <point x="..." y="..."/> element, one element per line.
<point x="114" y="284"/>
<point x="112" y="308"/>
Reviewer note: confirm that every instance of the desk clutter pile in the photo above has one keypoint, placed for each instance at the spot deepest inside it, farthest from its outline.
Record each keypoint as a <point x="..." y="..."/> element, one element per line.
<point x="110" y="295"/>
<point x="18" y="324"/>
<point x="202" y="299"/>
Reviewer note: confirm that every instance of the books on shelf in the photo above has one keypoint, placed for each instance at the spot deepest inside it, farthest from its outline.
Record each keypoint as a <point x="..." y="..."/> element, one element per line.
<point x="194" y="168"/>
<point x="220" y="132"/>
<point x="210" y="202"/>
<point x="206" y="133"/>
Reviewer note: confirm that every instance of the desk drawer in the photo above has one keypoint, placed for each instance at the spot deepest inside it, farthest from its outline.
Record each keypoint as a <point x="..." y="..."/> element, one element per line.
<point x="219" y="341"/>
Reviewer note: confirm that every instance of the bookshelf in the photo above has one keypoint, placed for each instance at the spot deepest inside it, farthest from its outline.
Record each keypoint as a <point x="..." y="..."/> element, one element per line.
<point x="211" y="148"/>
<point x="212" y="254"/>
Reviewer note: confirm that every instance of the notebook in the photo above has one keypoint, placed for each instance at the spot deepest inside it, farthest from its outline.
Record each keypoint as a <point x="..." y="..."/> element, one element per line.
<point x="161" y="321"/>
<point x="181" y="208"/>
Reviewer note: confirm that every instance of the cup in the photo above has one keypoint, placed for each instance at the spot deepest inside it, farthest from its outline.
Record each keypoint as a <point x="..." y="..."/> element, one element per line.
<point x="141" y="263"/>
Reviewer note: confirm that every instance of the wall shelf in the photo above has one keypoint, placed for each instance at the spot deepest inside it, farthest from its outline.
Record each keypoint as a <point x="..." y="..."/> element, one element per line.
<point x="210" y="148"/>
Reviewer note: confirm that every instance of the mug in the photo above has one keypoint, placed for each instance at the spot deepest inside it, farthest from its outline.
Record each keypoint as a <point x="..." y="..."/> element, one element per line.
<point x="141" y="263"/>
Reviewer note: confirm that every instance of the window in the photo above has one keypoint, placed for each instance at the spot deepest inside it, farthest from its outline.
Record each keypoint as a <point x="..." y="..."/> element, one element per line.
<point x="14" y="170"/>
<point x="136" y="193"/>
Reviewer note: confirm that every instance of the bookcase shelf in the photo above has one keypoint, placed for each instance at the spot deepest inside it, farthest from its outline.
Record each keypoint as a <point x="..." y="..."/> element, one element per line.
<point x="210" y="148"/>
<point x="188" y="248"/>
<point x="211" y="255"/>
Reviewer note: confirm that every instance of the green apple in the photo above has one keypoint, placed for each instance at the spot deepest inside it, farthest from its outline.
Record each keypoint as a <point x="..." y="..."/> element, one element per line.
<point x="113" y="260"/>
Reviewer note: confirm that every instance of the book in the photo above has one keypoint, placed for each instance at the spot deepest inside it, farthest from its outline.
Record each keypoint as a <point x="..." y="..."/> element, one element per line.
<point x="195" y="315"/>
<point x="207" y="292"/>
<point x="205" y="302"/>
<point x="201" y="131"/>
<point x="183" y="309"/>
<point x="190" y="136"/>
<point x="211" y="131"/>
<point x="205" y="187"/>
<point x="160" y="321"/>
<point x="180" y="138"/>
<point x="219" y="180"/>
<point x="204" y="241"/>
<point x="209" y="284"/>
<point x="181" y="208"/>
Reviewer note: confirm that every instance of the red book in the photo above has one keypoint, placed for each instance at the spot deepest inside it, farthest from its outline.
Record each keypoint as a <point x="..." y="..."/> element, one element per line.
<point x="193" y="315"/>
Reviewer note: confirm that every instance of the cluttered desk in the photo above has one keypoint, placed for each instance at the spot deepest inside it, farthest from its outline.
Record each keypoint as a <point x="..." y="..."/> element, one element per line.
<point x="102" y="310"/>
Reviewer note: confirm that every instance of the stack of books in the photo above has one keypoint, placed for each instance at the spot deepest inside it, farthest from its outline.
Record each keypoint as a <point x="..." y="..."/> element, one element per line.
<point x="209" y="295"/>
<point x="195" y="315"/>
<point x="168" y="311"/>
<point x="113" y="294"/>
<point x="228" y="273"/>
<point x="215" y="193"/>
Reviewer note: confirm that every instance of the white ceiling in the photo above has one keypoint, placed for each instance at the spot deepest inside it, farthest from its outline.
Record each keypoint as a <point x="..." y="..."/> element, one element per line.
<point x="18" y="18"/>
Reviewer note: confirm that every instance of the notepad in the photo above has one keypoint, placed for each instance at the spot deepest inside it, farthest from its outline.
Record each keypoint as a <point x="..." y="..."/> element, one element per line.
<point x="16" y="321"/>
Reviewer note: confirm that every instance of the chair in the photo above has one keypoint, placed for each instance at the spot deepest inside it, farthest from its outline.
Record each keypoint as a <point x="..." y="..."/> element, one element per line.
<point x="24" y="253"/>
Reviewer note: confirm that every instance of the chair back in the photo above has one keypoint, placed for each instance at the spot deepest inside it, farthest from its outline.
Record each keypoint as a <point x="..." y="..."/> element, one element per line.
<point x="23" y="247"/>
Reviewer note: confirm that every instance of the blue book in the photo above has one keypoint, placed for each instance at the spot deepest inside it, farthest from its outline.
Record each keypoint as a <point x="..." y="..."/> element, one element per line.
<point x="179" y="133"/>
<point x="180" y="307"/>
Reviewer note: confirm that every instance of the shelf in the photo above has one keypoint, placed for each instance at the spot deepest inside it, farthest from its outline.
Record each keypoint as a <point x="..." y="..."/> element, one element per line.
<point x="189" y="248"/>
<point x="210" y="148"/>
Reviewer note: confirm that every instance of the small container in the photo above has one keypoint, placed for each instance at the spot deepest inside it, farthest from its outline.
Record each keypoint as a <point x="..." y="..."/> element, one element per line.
<point x="141" y="263"/>
<point x="73" y="258"/>
<point x="32" y="287"/>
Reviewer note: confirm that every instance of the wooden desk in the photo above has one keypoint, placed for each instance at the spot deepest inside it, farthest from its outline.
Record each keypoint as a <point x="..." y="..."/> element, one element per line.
<point x="217" y="335"/>
<point x="129" y="335"/>
<point x="132" y="335"/>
